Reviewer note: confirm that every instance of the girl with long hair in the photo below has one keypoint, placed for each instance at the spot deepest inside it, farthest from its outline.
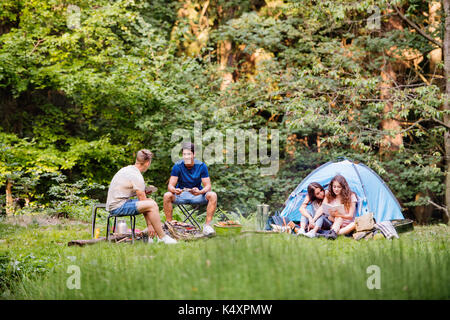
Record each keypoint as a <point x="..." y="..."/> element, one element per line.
<point x="339" y="193"/>
<point x="311" y="220"/>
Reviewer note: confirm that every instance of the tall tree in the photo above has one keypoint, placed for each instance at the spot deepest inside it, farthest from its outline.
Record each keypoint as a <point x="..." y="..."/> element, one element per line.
<point x="447" y="105"/>
<point x="434" y="17"/>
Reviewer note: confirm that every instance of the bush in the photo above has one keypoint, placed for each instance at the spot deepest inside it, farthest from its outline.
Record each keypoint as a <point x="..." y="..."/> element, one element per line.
<point x="70" y="199"/>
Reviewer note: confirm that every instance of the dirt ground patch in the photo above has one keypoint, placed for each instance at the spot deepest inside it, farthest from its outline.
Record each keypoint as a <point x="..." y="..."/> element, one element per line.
<point x="41" y="220"/>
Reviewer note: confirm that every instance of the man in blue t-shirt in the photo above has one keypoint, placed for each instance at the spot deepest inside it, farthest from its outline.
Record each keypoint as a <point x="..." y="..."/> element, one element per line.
<point x="185" y="186"/>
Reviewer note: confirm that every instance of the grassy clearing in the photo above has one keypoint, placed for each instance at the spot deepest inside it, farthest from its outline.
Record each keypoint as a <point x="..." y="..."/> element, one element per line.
<point x="32" y="247"/>
<point x="248" y="266"/>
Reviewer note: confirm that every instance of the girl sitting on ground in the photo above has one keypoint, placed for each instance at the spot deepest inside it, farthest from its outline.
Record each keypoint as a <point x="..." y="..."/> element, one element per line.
<point x="339" y="193"/>
<point x="313" y="220"/>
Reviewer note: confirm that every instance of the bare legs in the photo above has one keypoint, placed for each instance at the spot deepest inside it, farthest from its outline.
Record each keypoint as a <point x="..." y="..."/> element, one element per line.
<point x="344" y="230"/>
<point x="347" y="229"/>
<point x="169" y="198"/>
<point x="149" y="208"/>
<point x="336" y="224"/>
<point x="212" y="205"/>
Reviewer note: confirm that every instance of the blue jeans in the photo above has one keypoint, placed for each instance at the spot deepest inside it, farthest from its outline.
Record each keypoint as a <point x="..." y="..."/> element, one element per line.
<point x="188" y="198"/>
<point x="129" y="208"/>
<point x="323" y="222"/>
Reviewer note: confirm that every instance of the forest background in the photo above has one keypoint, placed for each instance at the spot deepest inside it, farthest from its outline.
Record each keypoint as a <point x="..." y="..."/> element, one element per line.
<point x="85" y="84"/>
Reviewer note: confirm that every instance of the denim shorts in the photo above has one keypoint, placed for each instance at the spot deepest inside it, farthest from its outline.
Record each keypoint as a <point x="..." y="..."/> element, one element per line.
<point x="129" y="208"/>
<point x="188" y="198"/>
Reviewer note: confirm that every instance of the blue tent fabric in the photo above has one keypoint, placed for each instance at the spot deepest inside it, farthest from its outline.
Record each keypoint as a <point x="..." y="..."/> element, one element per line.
<point x="372" y="192"/>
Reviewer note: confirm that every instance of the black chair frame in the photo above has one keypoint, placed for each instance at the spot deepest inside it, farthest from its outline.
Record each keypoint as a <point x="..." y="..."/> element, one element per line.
<point x="195" y="208"/>
<point x="97" y="206"/>
<point x="189" y="214"/>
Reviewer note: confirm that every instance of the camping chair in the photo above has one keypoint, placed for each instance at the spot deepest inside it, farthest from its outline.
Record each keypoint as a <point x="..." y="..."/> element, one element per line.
<point x="132" y="224"/>
<point x="195" y="209"/>
<point x="95" y="207"/>
<point x="190" y="212"/>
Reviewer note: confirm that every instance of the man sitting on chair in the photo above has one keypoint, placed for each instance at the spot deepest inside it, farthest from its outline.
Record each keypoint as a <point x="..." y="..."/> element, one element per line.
<point x="185" y="186"/>
<point x="128" y="182"/>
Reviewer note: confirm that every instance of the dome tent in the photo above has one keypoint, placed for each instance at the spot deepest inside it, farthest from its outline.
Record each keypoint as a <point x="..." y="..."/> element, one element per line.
<point x="372" y="192"/>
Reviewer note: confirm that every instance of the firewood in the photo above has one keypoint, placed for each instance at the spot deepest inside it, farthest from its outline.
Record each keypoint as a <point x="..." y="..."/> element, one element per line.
<point x="112" y="238"/>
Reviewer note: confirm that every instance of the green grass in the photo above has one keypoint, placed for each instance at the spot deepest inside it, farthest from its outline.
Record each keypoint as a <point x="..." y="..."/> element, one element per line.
<point x="249" y="266"/>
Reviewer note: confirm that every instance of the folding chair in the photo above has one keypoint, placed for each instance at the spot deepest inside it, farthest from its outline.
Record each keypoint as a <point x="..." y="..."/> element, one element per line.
<point x="196" y="208"/>
<point x="189" y="214"/>
<point x="132" y="224"/>
<point x="95" y="207"/>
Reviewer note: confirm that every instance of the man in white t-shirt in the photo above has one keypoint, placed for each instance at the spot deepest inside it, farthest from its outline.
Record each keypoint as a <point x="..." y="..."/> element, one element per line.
<point x="128" y="182"/>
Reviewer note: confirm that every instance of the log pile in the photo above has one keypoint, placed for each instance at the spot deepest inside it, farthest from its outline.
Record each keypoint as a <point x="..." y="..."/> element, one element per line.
<point x="116" y="237"/>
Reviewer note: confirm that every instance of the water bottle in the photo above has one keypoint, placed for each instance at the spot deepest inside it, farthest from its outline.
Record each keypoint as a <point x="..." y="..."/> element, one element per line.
<point x="121" y="227"/>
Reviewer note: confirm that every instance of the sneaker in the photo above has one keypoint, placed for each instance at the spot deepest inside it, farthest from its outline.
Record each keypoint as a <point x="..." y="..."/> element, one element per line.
<point x="167" y="240"/>
<point x="208" y="230"/>
<point x="332" y="235"/>
<point x="311" y="234"/>
<point x="301" y="232"/>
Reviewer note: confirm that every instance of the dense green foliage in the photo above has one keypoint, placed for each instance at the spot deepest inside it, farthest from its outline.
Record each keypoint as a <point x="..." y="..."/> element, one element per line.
<point x="79" y="98"/>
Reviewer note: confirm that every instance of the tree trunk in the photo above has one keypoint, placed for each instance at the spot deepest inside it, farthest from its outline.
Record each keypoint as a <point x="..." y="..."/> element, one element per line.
<point x="447" y="107"/>
<point x="225" y="60"/>
<point x="9" y="198"/>
<point x="434" y="18"/>
<point x="225" y="48"/>
<point x="422" y="213"/>
<point x="198" y="27"/>
<point x="388" y="77"/>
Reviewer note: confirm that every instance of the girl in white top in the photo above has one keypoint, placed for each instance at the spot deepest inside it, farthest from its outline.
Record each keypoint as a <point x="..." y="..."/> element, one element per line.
<point x="339" y="193"/>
